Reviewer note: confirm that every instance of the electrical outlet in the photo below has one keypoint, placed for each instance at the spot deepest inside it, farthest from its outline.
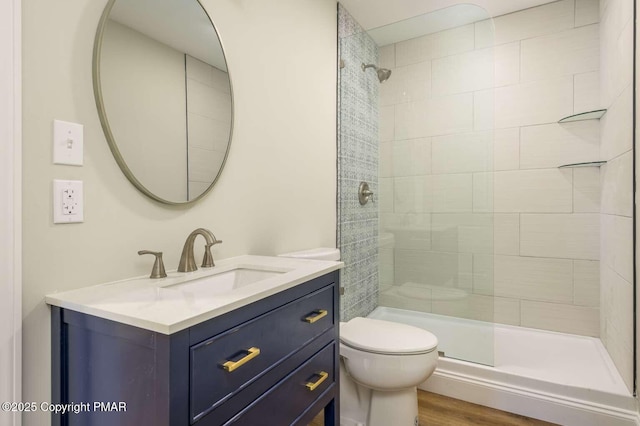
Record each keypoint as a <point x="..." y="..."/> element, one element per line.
<point x="68" y="201"/>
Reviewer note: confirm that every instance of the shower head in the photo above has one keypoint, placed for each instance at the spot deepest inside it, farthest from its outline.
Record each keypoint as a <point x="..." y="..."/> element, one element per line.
<point x="383" y="73"/>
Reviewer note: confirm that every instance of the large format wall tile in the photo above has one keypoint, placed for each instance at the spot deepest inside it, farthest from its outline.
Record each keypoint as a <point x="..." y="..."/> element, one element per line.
<point x="463" y="153"/>
<point x="483" y="191"/>
<point x="586" y="190"/>
<point x="506" y="64"/>
<point x="566" y="53"/>
<point x="443" y="43"/>
<point x="386" y="195"/>
<point x="208" y="133"/>
<point x="506" y="235"/>
<point x="435" y="116"/>
<point x="560" y="317"/>
<point x="616" y="49"/>
<point x="616" y="266"/>
<point x="204" y="164"/>
<point x="477" y="70"/>
<point x="413" y="194"/>
<point x="482" y="308"/>
<point x="617" y="186"/>
<point x="586" y="283"/>
<point x="567" y="236"/>
<point x="587" y="12"/>
<point x="617" y="324"/>
<point x="506" y="149"/>
<point x="387" y="56"/>
<point x="543" y="101"/>
<point x="552" y="145"/>
<point x="533" y="191"/>
<point x="483" y="266"/>
<point x="506" y="311"/>
<point x="452" y="193"/>
<point x="434" y="268"/>
<point x="534" y="278"/>
<point x="387" y="123"/>
<point x="411" y="157"/>
<point x="385" y="165"/>
<point x="483" y="117"/>
<point x="534" y="22"/>
<point x="617" y="127"/>
<point x="484" y="110"/>
<point x="617" y="244"/>
<point x="410" y="231"/>
<point x="463" y="232"/>
<point x="586" y="92"/>
<point x="474" y="306"/>
<point x="409" y="83"/>
<point x="466" y="72"/>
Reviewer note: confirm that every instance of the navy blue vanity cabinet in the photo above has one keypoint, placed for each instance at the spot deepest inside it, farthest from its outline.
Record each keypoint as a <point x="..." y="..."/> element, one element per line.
<point x="273" y="362"/>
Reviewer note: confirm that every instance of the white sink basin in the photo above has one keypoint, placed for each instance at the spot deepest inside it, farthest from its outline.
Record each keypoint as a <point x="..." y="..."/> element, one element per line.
<point x="224" y="282"/>
<point x="181" y="300"/>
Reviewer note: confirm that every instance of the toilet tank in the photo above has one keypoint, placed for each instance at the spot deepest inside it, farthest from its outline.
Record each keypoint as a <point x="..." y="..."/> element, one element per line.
<point x="321" y="253"/>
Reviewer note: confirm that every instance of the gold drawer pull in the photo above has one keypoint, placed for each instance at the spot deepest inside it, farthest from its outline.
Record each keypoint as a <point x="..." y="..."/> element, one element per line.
<point x="232" y="365"/>
<point x="317" y="314"/>
<point x="313" y="385"/>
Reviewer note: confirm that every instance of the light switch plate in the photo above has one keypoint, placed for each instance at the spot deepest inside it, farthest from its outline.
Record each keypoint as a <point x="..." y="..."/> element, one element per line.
<point x="68" y="143"/>
<point x="68" y="201"/>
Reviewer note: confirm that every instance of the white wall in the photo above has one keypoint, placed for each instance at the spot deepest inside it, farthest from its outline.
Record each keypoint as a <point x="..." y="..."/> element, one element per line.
<point x="278" y="189"/>
<point x="473" y="99"/>
<point x="143" y="89"/>
<point x="10" y="208"/>
<point x="616" y="81"/>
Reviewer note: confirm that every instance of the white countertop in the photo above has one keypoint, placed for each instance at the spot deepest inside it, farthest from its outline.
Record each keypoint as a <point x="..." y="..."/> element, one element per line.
<point x="161" y="305"/>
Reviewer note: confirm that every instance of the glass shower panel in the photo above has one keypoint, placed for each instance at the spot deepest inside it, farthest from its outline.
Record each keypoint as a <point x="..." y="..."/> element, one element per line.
<point x="436" y="137"/>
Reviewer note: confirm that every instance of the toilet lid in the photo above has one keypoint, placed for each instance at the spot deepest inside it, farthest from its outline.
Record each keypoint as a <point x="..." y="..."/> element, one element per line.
<point x="386" y="337"/>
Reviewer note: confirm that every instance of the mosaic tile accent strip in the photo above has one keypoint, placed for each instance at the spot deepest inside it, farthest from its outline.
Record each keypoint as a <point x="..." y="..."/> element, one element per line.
<point x="358" y="97"/>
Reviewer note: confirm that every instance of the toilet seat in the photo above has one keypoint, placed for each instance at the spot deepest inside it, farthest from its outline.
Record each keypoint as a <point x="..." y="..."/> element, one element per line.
<point x="386" y="338"/>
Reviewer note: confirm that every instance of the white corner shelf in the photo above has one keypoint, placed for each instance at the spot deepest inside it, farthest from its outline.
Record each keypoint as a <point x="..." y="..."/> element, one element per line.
<point x="587" y="164"/>
<point x="589" y="115"/>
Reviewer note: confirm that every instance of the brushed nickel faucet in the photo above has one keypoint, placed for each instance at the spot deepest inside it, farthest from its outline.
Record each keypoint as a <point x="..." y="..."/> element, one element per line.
<point x="187" y="260"/>
<point x="158" y="266"/>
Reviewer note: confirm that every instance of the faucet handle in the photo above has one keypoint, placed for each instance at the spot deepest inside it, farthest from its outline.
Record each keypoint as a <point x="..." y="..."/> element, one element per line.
<point x="207" y="260"/>
<point x="158" y="266"/>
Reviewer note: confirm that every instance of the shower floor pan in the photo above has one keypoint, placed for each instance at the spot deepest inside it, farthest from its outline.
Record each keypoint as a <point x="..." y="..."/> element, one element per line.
<point x="557" y="377"/>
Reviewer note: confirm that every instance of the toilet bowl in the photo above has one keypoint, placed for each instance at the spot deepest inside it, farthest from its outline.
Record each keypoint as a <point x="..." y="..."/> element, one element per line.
<point x="382" y="363"/>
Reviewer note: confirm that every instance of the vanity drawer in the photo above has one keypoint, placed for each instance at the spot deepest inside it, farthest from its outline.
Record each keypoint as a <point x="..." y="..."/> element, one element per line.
<point x="294" y="395"/>
<point x="232" y="360"/>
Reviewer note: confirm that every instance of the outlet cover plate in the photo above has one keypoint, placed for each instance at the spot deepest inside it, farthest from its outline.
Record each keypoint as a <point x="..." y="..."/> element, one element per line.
<point x="68" y="201"/>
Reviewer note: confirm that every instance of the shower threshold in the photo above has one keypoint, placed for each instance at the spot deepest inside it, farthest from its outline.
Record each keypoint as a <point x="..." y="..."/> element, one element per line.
<point x="557" y="377"/>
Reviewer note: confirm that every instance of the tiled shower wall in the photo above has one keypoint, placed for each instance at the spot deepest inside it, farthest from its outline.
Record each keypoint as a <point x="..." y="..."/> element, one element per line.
<point x="616" y="219"/>
<point x="208" y="122"/>
<point x="357" y="161"/>
<point x="446" y="118"/>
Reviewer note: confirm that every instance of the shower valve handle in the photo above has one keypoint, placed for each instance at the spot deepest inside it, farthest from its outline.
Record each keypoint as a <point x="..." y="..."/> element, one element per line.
<point x="364" y="193"/>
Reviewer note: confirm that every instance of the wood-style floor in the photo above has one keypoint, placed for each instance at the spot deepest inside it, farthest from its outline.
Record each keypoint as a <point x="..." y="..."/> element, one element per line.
<point x="438" y="410"/>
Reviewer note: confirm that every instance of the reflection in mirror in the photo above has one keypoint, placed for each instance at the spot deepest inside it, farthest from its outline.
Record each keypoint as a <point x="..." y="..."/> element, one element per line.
<point x="164" y="96"/>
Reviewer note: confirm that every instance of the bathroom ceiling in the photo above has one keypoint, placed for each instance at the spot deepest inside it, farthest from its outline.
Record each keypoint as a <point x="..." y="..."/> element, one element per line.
<point x="376" y="13"/>
<point x="420" y="17"/>
<point x="164" y="21"/>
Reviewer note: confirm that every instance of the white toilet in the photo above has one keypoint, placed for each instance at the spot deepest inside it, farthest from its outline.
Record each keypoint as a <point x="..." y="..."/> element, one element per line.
<point x="382" y="363"/>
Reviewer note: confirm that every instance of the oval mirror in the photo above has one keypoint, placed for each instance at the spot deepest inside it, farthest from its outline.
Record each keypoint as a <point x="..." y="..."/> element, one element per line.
<point x="164" y="96"/>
